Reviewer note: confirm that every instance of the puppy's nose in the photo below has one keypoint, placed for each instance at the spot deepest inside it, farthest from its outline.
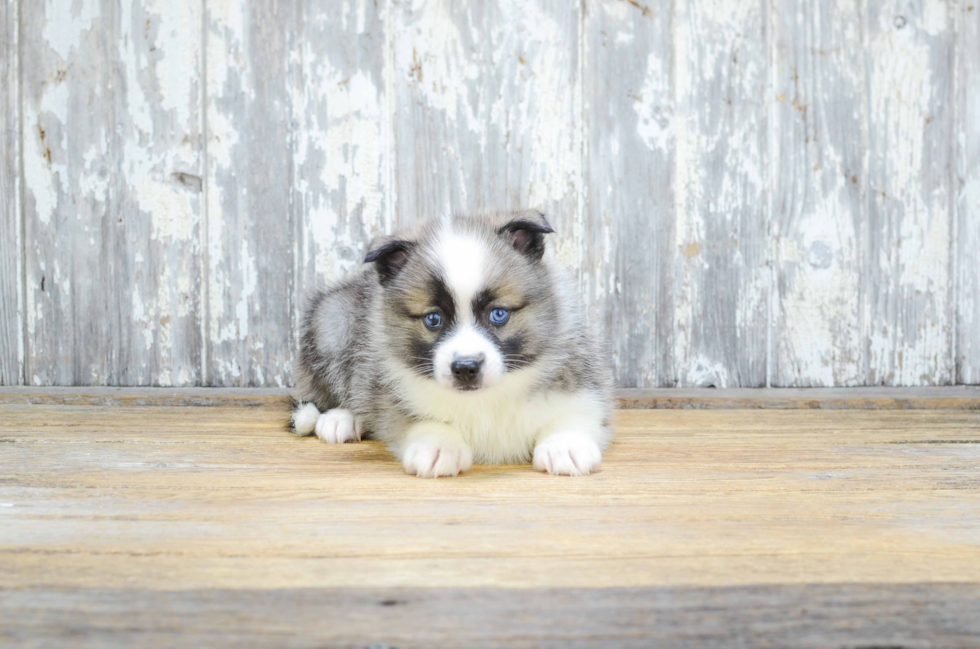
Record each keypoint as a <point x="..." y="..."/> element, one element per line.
<point x="466" y="371"/>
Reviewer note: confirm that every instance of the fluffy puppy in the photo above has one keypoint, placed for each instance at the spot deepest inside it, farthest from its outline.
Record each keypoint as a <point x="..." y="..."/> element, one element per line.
<point x="458" y="342"/>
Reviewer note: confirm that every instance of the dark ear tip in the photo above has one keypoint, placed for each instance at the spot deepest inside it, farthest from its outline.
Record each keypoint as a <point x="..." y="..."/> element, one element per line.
<point x="542" y="227"/>
<point x="545" y="227"/>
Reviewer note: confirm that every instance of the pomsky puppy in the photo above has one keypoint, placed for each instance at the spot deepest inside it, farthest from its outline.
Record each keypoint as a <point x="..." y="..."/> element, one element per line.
<point x="460" y="341"/>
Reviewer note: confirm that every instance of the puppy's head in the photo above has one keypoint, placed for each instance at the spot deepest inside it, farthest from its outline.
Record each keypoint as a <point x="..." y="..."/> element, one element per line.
<point x="467" y="300"/>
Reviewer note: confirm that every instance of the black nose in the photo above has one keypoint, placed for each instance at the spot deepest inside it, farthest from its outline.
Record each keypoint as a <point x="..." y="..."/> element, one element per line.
<point x="466" y="371"/>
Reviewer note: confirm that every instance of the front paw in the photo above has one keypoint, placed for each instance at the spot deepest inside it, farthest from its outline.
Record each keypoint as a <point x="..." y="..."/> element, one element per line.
<point x="338" y="426"/>
<point x="433" y="458"/>
<point x="567" y="453"/>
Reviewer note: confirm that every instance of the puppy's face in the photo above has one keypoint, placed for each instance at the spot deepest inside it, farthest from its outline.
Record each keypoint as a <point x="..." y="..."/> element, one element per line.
<point x="467" y="301"/>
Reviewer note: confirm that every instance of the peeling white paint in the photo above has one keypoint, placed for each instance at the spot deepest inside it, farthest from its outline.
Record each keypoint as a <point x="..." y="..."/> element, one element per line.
<point x="142" y="319"/>
<point x="966" y="229"/>
<point x="64" y="30"/>
<point x="907" y="343"/>
<point x="556" y="149"/>
<point x="715" y="195"/>
<point x="247" y="290"/>
<point x="934" y="17"/>
<point x="703" y="372"/>
<point x="45" y="173"/>
<point x="350" y="143"/>
<point x="101" y="149"/>
<point x="624" y="38"/>
<point x="500" y="106"/>
<point x="653" y="123"/>
<point x="484" y="107"/>
<point x="178" y="64"/>
<point x="819" y="176"/>
<point x="170" y="210"/>
<point x="39" y="177"/>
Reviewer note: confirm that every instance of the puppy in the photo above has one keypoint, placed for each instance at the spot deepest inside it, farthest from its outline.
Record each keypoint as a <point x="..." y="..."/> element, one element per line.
<point x="458" y="342"/>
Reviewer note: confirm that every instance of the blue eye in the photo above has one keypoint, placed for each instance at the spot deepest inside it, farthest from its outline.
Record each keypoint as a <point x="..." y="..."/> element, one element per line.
<point x="432" y="320"/>
<point x="499" y="316"/>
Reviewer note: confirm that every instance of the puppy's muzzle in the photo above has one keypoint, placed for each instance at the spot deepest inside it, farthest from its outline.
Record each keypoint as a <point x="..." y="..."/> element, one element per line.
<point x="467" y="372"/>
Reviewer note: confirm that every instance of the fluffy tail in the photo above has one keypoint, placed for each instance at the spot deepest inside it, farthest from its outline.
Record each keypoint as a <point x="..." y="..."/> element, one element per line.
<point x="303" y="421"/>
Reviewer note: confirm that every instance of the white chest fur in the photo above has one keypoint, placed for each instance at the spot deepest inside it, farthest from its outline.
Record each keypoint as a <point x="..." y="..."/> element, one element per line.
<point x="501" y="424"/>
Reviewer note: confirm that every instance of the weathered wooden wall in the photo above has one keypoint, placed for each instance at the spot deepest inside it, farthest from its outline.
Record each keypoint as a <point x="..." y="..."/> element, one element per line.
<point x="11" y="310"/>
<point x="755" y="192"/>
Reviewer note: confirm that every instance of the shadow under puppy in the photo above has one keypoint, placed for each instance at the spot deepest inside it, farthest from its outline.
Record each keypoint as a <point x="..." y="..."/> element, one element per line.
<point x="460" y="341"/>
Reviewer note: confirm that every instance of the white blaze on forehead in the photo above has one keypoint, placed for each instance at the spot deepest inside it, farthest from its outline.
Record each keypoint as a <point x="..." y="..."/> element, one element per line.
<point x="462" y="261"/>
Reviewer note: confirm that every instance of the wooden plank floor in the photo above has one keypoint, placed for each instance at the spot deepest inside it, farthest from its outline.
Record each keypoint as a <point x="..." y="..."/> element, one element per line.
<point x="194" y="526"/>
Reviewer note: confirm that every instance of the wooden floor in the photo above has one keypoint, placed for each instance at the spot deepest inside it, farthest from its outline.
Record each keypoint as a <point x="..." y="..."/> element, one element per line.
<point x="211" y="526"/>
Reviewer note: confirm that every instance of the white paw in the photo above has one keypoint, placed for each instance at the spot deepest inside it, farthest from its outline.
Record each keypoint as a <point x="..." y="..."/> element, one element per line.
<point x="304" y="419"/>
<point x="338" y="426"/>
<point x="432" y="458"/>
<point x="567" y="453"/>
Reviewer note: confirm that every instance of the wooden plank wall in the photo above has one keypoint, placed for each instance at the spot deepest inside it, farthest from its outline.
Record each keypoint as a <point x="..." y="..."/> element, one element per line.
<point x="967" y="196"/>
<point x="112" y="164"/>
<point x="754" y="192"/>
<point x="11" y="310"/>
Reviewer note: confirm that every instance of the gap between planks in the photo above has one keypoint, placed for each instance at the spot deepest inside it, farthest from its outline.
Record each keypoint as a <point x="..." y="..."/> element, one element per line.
<point x="962" y="397"/>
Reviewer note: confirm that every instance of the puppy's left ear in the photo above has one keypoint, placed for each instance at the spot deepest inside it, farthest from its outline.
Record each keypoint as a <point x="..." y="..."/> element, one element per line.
<point x="525" y="233"/>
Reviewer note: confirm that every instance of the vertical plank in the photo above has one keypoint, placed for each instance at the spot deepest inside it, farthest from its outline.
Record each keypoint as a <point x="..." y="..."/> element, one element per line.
<point x="968" y="198"/>
<point x="341" y="196"/>
<point x="488" y="110"/>
<point x="112" y="168"/>
<point x="11" y="308"/>
<point x="251" y="226"/>
<point x="721" y="282"/>
<point x="819" y="123"/>
<point x="629" y="211"/>
<point x="908" y="306"/>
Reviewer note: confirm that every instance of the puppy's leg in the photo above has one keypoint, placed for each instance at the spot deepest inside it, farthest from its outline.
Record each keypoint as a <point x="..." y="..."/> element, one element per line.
<point x="434" y="449"/>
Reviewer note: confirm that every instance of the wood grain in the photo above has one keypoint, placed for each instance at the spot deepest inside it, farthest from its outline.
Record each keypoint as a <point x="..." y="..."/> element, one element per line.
<point x="811" y="616"/>
<point x="251" y="229"/>
<point x="341" y="139"/>
<point x="487" y="110"/>
<point x="818" y="227"/>
<point x="186" y="498"/>
<point x="112" y="166"/>
<point x="721" y="281"/>
<point x="11" y="247"/>
<point x="909" y="317"/>
<point x="204" y="526"/>
<point x="751" y="193"/>
<point x="629" y="202"/>
<point x="967" y="239"/>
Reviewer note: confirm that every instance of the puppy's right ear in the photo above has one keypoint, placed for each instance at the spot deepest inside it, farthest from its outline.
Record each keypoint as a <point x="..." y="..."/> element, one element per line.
<point x="389" y="256"/>
<point x="525" y="232"/>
